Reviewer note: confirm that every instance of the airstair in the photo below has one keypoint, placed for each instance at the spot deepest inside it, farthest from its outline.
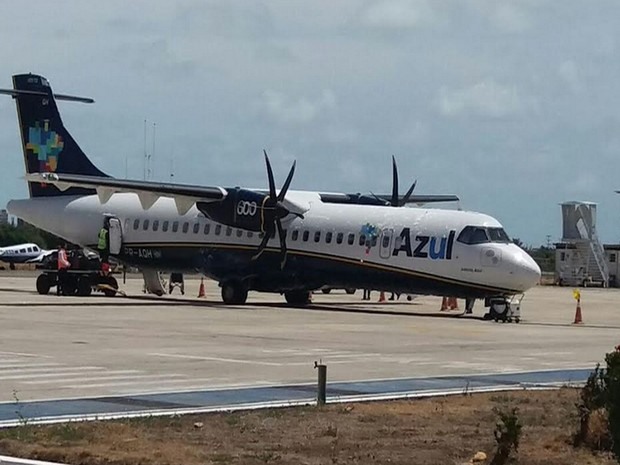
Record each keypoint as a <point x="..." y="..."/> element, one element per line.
<point x="585" y="262"/>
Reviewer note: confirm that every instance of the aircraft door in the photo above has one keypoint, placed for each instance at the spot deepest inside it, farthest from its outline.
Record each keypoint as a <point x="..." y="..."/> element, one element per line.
<point x="385" y="249"/>
<point x="116" y="236"/>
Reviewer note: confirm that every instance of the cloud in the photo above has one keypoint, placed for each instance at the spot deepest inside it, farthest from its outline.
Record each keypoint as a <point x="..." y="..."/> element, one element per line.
<point x="396" y="14"/>
<point x="286" y="110"/>
<point x="487" y="98"/>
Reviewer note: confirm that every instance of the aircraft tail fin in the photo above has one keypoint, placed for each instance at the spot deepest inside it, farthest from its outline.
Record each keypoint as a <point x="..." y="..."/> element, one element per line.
<point x="48" y="147"/>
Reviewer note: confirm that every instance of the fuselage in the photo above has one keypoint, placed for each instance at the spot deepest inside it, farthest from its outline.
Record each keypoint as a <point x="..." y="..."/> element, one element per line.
<point x="427" y="251"/>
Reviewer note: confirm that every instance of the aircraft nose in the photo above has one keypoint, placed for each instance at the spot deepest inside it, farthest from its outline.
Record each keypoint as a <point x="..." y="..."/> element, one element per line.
<point x="527" y="271"/>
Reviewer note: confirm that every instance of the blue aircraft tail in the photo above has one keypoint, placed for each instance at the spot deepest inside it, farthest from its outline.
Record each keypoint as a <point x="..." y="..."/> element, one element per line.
<point x="48" y="146"/>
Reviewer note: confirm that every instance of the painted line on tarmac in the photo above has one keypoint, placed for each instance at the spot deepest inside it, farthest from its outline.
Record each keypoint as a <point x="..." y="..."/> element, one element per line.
<point x="15" y="413"/>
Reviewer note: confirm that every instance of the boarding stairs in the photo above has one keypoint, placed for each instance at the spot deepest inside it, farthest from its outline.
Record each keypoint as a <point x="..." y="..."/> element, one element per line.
<point x="594" y="267"/>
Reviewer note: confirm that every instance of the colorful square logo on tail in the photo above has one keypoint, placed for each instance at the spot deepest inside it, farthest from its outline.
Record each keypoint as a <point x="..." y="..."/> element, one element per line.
<point x="46" y="145"/>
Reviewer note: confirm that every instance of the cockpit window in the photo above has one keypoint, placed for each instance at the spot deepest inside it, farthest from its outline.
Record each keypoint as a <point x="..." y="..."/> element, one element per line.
<point x="498" y="235"/>
<point x="480" y="235"/>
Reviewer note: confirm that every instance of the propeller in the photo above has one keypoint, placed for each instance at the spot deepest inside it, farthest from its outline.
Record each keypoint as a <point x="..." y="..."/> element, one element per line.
<point x="272" y="212"/>
<point x="395" y="201"/>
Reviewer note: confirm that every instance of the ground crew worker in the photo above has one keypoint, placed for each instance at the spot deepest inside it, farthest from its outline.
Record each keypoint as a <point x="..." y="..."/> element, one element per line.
<point x="63" y="266"/>
<point x="103" y="242"/>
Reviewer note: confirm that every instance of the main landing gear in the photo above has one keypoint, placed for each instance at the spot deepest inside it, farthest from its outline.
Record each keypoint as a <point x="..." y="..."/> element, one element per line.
<point x="297" y="298"/>
<point x="234" y="293"/>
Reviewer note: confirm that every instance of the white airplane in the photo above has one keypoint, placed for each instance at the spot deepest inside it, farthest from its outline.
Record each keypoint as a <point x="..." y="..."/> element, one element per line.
<point x="289" y="242"/>
<point x="22" y="253"/>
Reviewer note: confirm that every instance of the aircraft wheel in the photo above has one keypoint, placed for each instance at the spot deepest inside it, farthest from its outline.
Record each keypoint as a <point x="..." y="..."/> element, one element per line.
<point x="110" y="281"/>
<point x="84" y="288"/>
<point x="350" y="291"/>
<point x="43" y="284"/>
<point x="234" y="293"/>
<point x="297" y="297"/>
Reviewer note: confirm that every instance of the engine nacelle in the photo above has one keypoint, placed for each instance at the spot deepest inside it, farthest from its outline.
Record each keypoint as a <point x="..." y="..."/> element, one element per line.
<point x="242" y="208"/>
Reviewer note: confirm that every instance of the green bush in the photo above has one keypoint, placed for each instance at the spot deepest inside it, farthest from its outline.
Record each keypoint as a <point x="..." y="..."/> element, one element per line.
<point x="599" y="408"/>
<point x="507" y="435"/>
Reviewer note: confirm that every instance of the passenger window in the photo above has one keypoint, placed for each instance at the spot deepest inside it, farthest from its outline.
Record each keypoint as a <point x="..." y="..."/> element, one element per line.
<point x="185" y="227"/>
<point x="612" y="257"/>
<point x="250" y="234"/>
<point x="351" y="238"/>
<point x="373" y="241"/>
<point x="36" y="249"/>
<point x="305" y="236"/>
<point x="126" y="228"/>
<point x="30" y="249"/>
<point x="136" y="224"/>
<point x="228" y="230"/>
<point x="239" y="232"/>
<point x="207" y="228"/>
<point x="328" y="237"/>
<point x="295" y="235"/>
<point x="317" y="236"/>
<point x="22" y="250"/>
<point x="155" y="225"/>
<point x="145" y="225"/>
<point x="385" y="242"/>
<point x="339" y="237"/>
<point x="196" y="228"/>
<point x="218" y="229"/>
<point x="175" y="226"/>
<point x="164" y="226"/>
<point x="362" y="240"/>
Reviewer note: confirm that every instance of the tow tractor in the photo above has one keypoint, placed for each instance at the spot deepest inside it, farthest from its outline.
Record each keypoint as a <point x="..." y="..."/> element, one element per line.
<point x="504" y="309"/>
<point x="84" y="275"/>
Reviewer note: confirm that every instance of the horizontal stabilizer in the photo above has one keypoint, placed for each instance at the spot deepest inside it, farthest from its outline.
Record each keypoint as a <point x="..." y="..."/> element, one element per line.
<point x="33" y="93"/>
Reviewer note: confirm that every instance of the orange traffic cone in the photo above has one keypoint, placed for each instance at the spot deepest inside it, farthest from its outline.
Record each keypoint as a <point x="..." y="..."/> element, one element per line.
<point x="382" y="297"/>
<point x="444" y="304"/>
<point x="453" y="303"/>
<point x="201" y="289"/>
<point x="578" y="319"/>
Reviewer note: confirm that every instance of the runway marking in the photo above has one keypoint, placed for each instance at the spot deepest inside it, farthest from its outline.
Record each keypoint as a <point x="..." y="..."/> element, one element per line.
<point x="183" y="379"/>
<point x="5" y="366"/>
<point x="218" y="359"/>
<point x="125" y="374"/>
<point x="10" y="371"/>
<point x="24" y="354"/>
<point x="47" y="375"/>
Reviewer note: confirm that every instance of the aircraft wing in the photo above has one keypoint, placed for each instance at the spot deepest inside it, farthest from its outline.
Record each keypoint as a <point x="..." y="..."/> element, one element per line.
<point x="383" y="199"/>
<point x="184" y="195"/>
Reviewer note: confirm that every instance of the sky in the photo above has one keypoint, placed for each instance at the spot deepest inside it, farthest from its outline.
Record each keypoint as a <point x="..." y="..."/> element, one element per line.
<point x="514" y="106"/>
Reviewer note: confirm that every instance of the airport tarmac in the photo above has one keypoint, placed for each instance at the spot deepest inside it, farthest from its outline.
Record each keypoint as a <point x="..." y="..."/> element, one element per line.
<point x="72" y="347"/>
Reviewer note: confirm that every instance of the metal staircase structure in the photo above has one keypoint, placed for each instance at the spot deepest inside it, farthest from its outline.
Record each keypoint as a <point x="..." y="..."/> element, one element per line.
<point x="586" y="263"/>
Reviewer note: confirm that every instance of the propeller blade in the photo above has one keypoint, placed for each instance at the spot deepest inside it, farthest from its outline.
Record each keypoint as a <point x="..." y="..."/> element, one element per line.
<point x="262" y="246"/>
<point x="379" y="199"/>
<point x="283" y="249"/>
<point x="272" y="183"/>
<point x="394" y="201"/>
<point x="287" y="183"/>
<point x="408" y="194"/>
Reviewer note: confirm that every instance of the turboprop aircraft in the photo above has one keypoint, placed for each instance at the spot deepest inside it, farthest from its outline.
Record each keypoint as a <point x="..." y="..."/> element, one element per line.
<point x="289" y="242"/>
<point x="21" y="253"/>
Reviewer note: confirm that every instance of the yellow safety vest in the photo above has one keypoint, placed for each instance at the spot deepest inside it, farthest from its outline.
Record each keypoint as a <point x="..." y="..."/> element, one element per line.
<point x="103" y="239"/>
